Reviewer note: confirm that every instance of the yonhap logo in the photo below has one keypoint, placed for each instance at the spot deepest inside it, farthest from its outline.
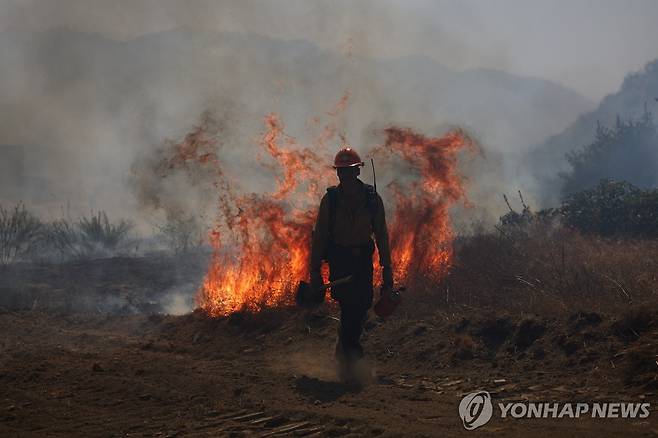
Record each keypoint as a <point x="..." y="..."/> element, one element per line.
<point x="476" y="409"/>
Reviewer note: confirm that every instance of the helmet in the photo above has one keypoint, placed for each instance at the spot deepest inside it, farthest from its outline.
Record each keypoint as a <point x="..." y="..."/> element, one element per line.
<point x="347" y="157"/>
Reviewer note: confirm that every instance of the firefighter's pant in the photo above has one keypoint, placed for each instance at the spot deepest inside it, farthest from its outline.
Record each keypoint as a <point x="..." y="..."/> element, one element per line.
<point x="355" y="297"/>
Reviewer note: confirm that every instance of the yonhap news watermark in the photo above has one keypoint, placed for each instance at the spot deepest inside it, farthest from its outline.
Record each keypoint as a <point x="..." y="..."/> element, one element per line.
<point x="477" y="408"/>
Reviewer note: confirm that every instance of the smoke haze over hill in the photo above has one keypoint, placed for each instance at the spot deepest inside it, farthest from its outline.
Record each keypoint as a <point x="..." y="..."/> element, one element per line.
<point x="88" y="106"/>
<point x="87" y="88"/>
<point x="636" y="95"/>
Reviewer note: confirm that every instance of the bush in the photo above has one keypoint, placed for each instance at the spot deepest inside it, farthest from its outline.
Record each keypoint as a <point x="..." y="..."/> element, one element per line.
<point x="64" y="238"/>
<point x="524" y="223"/>
<point x="20" y="230"/>
<point x="90" y="236"/>
<point x="98" y="232"/>
<point x="613" y="208"/>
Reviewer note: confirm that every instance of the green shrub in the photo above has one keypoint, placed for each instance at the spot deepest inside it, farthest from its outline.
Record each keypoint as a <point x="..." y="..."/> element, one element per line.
<point x="613" y="208"/>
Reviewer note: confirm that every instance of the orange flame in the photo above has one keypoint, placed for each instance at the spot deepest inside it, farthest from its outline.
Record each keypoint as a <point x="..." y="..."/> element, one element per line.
<point x="261" y="241"/>
<point x="420" y="232"/>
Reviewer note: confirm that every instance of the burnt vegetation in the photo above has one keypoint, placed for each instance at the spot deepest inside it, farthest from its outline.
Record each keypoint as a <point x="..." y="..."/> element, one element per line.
<point x="26" y="237"/>
<point x="20" y="230"/>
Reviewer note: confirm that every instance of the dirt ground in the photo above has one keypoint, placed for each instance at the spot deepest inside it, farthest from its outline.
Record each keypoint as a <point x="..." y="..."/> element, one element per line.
<point x="92" y="373"/>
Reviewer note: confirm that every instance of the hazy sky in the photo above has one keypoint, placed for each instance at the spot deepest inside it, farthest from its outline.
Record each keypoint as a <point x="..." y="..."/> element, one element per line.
<point x="586" y="44"/>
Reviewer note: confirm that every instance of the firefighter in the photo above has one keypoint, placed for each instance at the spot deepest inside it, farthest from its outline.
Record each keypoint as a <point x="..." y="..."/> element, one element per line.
<point x="349" y="215"/>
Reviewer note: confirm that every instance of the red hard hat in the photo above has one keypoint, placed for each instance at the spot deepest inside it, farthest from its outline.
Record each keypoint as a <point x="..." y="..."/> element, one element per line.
<point x="347" y="157"/>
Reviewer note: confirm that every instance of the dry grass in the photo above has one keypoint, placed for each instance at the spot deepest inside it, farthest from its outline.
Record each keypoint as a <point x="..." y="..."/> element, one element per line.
<point x="546" y="269"/>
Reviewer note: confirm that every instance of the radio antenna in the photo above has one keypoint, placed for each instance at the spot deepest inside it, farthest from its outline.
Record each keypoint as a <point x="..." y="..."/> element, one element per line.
<point x="374" y="177"/>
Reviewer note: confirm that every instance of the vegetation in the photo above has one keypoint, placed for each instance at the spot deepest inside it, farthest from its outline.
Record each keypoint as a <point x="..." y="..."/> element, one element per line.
<point x="613" y="208"/>
<point x="90" y="236"/>
<point x="97" y="232"/>
<point x="611" y="188"/>
<point x="596" y="250"/>
<point x="181" y="233"/>
<point x="20" y="230"/>
<point x="62" y="236"/>
<point x="24" y="236"/>
<point x="626" y="152"/>
<point x="549" y="269"/>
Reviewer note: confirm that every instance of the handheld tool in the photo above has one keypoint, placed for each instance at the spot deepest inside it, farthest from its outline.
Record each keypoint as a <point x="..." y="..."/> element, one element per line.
<point x="308" y="298"/>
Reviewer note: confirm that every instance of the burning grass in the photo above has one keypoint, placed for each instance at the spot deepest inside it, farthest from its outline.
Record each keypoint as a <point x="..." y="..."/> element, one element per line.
<point x="261" y="241"/>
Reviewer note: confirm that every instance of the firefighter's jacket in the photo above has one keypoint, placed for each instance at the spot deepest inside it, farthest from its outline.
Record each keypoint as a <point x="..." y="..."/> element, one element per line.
<point x="351" y="228"/>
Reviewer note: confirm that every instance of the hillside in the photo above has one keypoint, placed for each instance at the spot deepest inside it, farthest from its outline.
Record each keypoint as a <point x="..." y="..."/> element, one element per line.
<point x="91" y="104"/>
<point x="548" y="158"/>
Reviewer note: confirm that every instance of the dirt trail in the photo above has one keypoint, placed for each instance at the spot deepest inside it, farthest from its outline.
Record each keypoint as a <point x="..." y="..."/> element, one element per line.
<point x="272" y="374"/>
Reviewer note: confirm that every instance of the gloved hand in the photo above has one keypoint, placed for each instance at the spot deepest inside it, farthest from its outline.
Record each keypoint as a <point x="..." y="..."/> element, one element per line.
<point x="387" y="278"/>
